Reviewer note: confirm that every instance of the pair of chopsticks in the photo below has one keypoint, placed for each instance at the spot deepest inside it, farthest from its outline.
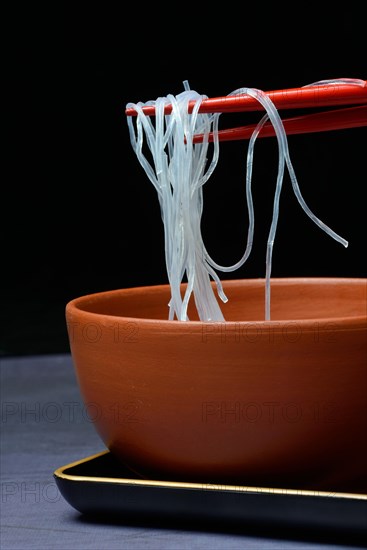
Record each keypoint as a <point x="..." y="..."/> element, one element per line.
<point x="320" y="95"/>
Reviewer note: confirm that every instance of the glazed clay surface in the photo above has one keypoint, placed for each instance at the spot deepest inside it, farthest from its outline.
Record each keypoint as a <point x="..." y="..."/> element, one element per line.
<point x="266" y="403"/>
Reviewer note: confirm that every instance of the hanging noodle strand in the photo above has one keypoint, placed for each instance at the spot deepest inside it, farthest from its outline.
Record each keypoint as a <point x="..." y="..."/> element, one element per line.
<point x="178" y="174"/>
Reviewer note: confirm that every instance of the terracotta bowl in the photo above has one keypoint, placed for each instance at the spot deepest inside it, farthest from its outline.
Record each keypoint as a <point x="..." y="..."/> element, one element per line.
<point x="280" y="403"/>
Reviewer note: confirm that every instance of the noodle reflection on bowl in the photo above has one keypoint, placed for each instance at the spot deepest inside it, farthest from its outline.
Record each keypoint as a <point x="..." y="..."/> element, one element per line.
<point x="278" y="403"/>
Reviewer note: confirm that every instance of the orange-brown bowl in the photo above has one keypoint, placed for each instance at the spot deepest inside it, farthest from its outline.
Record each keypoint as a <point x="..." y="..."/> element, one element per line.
<point x="279" y="403"/>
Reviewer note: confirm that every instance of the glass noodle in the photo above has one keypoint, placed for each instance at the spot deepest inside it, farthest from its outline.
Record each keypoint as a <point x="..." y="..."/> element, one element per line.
<point x="178" y="171"/>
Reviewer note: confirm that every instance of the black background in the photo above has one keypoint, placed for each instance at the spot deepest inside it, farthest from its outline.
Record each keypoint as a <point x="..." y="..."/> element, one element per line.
<point x="79" y="214"/>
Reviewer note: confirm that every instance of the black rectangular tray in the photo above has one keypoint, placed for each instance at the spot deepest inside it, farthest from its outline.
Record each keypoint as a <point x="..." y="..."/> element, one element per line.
<point x="99" y="485"/>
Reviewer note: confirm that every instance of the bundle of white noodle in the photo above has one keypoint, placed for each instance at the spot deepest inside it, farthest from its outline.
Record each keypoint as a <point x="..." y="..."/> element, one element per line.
<point x="178" y="174"/>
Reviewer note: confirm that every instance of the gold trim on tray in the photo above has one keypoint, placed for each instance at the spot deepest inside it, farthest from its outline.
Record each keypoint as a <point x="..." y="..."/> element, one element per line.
<point x="60" y="473"/>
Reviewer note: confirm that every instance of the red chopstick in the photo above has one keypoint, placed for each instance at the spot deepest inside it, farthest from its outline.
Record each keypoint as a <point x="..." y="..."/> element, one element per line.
<point x="321" y="95"/>
<point x="336" y="119"/>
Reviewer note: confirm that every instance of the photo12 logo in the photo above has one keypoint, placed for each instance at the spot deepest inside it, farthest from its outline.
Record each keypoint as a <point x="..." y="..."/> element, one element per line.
<point x="29" y="492"/>
<point x="270" y="412"/>
<point x="288" y="332"/>
<point x="23" y="412"/>
<point x="94" y="332"/>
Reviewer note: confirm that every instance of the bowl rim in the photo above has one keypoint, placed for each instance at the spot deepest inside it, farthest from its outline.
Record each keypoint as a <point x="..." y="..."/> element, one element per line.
<point x="74" y="307"/>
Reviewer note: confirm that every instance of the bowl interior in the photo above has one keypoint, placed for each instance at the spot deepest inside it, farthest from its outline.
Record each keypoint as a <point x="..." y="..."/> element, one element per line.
<point x="291" y="299"/>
